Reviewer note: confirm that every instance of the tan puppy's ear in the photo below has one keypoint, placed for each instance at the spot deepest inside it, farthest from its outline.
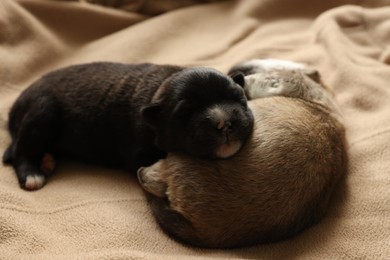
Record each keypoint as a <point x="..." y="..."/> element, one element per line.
<point x="150" y="180"/>
<point x="313" y="74"/>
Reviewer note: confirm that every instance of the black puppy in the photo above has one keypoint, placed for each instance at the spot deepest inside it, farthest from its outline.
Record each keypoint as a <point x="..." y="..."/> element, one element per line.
<point x="124" y="116"/>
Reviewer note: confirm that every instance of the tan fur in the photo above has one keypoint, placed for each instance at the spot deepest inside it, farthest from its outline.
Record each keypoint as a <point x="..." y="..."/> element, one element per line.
<point x="277" y="185"/>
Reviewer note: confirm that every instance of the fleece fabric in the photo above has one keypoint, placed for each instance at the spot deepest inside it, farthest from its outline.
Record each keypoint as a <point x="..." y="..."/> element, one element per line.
<point x="89" y="212"/>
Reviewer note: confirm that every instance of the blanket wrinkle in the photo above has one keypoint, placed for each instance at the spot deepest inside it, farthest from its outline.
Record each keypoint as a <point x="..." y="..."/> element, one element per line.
<point x="149" y="7"/>
<point x="20" y="30"/>
<point x="67" y="207"/>
<point x="370" y="136"/>
<point x="69" y="16"/>
<point x="89" y="212"/>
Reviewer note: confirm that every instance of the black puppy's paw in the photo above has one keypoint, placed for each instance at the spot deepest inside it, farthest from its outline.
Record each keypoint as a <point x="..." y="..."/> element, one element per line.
<point x="33" y="177"/>
<point x="32" y="181"/>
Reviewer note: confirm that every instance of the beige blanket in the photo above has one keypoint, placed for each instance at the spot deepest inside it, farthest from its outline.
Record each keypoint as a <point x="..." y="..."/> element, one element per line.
<point x="87" y="212"/>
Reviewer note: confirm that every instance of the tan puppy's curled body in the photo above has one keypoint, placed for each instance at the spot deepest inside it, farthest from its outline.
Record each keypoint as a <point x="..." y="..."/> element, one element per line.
<point x="276" y="186"/>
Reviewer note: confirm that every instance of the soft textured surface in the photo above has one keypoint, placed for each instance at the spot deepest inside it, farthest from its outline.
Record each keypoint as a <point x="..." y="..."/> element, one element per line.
<point x="89" y="212"/>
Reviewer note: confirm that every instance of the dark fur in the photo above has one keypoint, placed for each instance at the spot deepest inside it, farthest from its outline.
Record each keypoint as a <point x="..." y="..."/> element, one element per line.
<point x="122" y="115"/>
<point x="278" y="184"/>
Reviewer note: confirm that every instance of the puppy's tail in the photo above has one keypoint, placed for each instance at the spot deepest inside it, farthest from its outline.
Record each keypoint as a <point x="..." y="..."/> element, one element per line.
<point x="7" y="156"/>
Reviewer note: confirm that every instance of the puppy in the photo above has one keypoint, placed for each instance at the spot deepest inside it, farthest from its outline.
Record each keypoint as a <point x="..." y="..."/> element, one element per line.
<point x="275" y="187"/>
<point x="125" y="116"/>
<point x="273" y="77"/>
<point x="254" y="66"/>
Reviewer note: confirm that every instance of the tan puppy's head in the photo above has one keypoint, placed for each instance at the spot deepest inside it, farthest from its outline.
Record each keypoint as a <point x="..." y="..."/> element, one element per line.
<point x="274" y="77"/>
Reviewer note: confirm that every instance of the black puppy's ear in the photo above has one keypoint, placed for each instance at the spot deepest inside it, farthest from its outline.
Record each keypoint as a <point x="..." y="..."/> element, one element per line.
<point x="151" y="114"/>
<point x="238" y="77"/>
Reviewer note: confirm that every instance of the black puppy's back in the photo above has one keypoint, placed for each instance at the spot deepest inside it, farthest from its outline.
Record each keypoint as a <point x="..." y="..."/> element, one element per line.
<point x="89" y="112"/>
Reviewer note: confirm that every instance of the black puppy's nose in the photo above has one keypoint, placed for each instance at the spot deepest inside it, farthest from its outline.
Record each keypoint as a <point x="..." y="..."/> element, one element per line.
<point x="225" y="126"/>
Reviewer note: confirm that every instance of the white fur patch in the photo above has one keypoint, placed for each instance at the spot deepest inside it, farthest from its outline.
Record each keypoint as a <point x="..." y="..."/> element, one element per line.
<point x="228" y="149"/>
<point x="258" y="86"/>
<point x="219" y="115"/>
<point x="34" y="182"/>
<point x="270" y="64"/>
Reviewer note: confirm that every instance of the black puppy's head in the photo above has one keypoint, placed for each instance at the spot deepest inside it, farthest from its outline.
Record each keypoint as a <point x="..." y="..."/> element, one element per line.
<point x="202" y="112"/>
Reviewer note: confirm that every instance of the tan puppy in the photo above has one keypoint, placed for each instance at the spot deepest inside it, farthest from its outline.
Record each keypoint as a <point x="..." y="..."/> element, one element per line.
<point x="277" y="185"/>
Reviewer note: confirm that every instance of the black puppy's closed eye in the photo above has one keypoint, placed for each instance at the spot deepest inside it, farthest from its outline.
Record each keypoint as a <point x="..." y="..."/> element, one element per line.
<point x="238" y="78"/>
<point x="182" y="109"/>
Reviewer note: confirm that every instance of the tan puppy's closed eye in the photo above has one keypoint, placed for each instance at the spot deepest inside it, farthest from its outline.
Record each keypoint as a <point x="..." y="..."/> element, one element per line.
<point x="280" y="182"/>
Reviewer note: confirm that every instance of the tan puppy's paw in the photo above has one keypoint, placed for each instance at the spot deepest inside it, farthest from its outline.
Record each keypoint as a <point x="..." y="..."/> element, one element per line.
<point x="150" y="180"/>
